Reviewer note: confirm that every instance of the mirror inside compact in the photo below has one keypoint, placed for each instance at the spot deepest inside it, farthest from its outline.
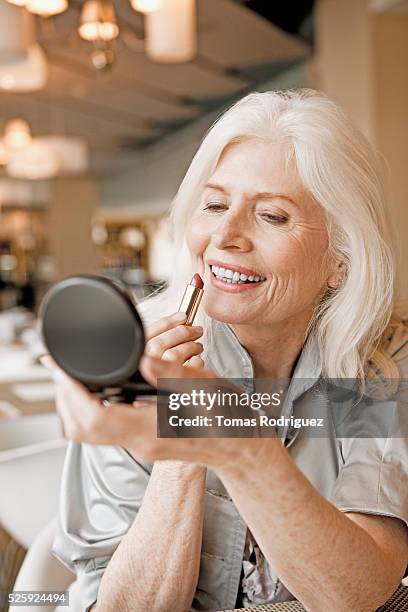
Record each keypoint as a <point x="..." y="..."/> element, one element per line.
<point x="91" y="328"/>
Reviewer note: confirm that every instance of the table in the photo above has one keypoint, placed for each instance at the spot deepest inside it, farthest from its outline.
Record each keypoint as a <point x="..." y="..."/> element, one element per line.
<point x="287" y="606"/>
<point x="17" y="368"/>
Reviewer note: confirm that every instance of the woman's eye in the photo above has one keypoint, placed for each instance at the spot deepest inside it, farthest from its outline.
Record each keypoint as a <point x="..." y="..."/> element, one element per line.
<point x="215" y="206"/>
<point x="276" y="219"/>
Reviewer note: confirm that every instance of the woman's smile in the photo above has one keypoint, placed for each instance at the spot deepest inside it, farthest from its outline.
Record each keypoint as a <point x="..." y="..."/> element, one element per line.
<point x="233" y="278"/>
<point x="230" y="286"/>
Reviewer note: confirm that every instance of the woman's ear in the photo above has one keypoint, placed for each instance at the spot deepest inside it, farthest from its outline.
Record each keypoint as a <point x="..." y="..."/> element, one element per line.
<point x="336" y="277"/>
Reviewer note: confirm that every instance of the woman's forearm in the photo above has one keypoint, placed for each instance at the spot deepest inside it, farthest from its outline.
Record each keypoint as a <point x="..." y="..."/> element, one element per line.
<point x="325" y="559"/>
<point x="156" y="565"/>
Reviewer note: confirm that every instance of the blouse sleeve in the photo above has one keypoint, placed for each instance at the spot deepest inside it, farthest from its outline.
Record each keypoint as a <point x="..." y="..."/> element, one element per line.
<point x="373" y="477"/>
<point x="101" y="492"/>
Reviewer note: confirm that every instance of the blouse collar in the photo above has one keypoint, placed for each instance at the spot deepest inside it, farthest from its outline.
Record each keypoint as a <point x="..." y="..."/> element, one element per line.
<point x="229" y="359"/>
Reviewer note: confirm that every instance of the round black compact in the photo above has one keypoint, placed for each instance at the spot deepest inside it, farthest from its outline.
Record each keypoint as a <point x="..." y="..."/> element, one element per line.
<point x="93" y="331"/>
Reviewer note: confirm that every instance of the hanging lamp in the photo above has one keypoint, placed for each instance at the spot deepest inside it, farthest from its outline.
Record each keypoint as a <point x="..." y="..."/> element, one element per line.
<point x="98" y="21"/>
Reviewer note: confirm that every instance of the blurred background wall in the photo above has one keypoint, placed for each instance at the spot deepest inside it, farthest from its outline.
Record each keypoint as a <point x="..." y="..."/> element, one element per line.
<point x="361" y="61"/>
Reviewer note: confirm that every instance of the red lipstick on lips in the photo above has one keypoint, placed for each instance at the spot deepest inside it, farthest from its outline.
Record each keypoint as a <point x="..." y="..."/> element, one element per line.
<point x="192" y="298"/>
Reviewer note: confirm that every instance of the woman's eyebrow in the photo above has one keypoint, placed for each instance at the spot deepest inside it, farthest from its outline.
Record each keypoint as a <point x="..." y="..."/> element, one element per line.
<point x="262" y="195"/>
<point x="266" y="195"/>
<point x="216" y="187"/>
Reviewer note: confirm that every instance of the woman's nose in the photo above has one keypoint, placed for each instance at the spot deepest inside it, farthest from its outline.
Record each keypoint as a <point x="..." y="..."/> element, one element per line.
<point x="232" y="233"/>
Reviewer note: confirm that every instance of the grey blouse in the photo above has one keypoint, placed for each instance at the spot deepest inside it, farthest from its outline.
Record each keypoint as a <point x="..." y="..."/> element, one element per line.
<point x="102" y="490"/>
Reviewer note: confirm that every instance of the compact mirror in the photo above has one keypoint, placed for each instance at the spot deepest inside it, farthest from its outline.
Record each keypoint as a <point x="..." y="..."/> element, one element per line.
<point x="91" y="328"/>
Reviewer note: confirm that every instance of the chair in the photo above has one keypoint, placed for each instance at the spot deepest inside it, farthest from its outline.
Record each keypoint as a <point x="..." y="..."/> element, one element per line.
<point x="53" y="576"/>
<point x="288" y="606"/>
<point x="397" y="603"/>
<point x="41" y="571"/>
<point x="32" y="450"/>
<point x="11" y="558"/>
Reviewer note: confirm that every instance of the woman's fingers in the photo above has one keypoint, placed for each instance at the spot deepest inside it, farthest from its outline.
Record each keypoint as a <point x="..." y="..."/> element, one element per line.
<point x="153" y="369"/>
<point x="58" y="374"/>
<point x="80" y="412"/>
<point x="176" y="337"/>
<point x="183" y="352"/>
<point x="85" y="419"/>
<point x="159" y="327"/>
<point x="195" y="362"/>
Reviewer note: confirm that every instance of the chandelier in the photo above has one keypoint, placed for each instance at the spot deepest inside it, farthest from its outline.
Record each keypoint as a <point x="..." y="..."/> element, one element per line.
<point x="44" y="8"/>
<point x="170" y="37"/>
<point x="170" y="28"/>
<point x="42" y="157"/>
<point x="23" y="63"/>
<point x="98" y="21"/>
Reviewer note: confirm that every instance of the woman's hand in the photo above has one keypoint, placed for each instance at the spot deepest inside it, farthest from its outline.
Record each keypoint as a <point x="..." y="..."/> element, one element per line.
<point x="84" y="416"/>
<point x="172" y="352"/>
<point x="86" y="419"/>
<point x="169" y="339"/>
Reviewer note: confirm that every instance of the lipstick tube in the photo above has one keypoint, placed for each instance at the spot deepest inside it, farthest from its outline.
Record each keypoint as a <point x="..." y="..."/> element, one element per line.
<point x="192" y="298"/>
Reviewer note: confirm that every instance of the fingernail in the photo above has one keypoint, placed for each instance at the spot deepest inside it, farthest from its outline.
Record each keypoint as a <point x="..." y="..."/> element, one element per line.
<point x="180" y="316"/>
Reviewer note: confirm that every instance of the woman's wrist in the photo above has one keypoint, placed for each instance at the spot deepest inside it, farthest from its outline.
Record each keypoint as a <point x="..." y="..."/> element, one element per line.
<point x="249" y="454"/>
<point x="172" y="468"/>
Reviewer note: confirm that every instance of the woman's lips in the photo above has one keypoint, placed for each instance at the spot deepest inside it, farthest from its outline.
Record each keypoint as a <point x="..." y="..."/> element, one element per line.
<point x="231" y="287"/>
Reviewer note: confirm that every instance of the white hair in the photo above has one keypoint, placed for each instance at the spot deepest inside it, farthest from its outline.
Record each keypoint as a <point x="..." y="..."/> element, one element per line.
<point x="343" y="173"/>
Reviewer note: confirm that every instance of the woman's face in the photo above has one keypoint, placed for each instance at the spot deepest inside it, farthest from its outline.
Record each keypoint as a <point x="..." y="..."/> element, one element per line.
<point x="259" y="239"/>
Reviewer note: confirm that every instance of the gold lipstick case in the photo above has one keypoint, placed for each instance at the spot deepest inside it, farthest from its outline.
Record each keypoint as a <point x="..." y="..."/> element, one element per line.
<point x="190" y="302"/>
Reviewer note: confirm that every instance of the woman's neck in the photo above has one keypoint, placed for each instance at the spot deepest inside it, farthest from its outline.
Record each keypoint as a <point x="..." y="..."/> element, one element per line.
<point x="274" y="349"/>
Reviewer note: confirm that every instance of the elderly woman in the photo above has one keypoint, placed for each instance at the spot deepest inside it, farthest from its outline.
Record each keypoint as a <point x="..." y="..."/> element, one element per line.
<point x="282" y="214"/>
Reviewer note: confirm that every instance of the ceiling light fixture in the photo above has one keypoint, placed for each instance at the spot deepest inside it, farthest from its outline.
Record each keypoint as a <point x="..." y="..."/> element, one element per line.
<point x="146" y="6"/>
<point x="98" y="21"/>
<point x="103" y="59"/>
<point x="27" y="74"/>
<point x="23" y="64"/>
<point x="72" y="153"/>
<point x="171" y="32"/>
<point x="18" y="2"/>
<point x="16" y="33"/>
<point x="17" y="134"/>
<point x="47" y="8"/>
<point x="3" y="154"/>
<point x="34" y="162"/>
<point x="42" y="157"/>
